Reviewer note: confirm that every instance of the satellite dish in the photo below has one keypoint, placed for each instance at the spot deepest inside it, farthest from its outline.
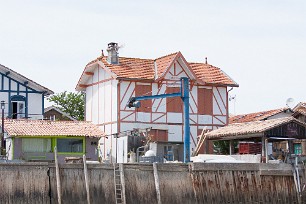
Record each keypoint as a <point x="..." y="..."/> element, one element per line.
<point x="289" y="102"/>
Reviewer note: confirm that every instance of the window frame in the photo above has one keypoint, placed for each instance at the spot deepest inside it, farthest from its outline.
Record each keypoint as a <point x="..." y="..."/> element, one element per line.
<point x="76" y="153"/>
<point x="44" y="138"/>
<point x="205" y="101"/>
<point x="141" y="90"/>
<point x="174" y="105"/>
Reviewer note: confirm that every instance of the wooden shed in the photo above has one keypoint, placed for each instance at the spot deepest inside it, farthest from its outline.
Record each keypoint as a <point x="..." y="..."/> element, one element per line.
<point x="278" y="137"/>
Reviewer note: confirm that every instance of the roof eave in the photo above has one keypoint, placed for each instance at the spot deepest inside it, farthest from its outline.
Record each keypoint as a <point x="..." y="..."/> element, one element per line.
<point x="135" y="79"/>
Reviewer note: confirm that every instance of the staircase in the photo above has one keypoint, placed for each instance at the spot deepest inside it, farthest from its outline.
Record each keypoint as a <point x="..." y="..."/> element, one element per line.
<point x="119" y="191"/>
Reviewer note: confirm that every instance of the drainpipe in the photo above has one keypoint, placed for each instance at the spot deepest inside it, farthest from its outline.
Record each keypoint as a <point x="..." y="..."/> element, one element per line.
<point x="228" y="105"/>
<point x="266" y="149"/>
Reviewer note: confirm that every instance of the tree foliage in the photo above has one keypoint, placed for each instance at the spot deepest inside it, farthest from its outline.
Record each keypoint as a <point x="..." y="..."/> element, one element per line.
<point x="222" y="147"/>
<point x="70" y="103"/>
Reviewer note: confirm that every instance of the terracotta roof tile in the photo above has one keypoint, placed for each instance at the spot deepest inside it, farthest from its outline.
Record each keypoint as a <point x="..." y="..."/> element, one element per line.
<point x="238" y="129"/>
<point x="136" y="68"/>
<point x="211" y="74"/>
<point x="255" y="116"/>
<point x="51" y="128"/>
<point x="132" y="68"/>
<point x="163" y="63"/>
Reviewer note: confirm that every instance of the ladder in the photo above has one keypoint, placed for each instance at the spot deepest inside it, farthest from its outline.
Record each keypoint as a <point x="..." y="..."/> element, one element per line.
<point x="202" y="138"/>
<point x="118" y="185"/>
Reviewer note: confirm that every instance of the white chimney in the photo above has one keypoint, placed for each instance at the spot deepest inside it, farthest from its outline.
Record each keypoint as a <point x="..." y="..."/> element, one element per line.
<point x="112" y="50"/>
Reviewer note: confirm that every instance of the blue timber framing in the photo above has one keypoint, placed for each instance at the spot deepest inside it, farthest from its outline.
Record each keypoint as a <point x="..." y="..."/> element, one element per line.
<point x="184" y="94"/>
<point x="18" y="91"/>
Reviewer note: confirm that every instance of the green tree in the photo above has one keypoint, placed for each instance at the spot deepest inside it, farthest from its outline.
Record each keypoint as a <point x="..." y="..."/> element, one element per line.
<point x="70" y="103"/>
<point x="222" y="146"/>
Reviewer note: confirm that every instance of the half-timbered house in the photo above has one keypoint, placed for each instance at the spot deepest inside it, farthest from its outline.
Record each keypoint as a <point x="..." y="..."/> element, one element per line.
<point x="110" y="81"/>
<point x="23" y="97"/>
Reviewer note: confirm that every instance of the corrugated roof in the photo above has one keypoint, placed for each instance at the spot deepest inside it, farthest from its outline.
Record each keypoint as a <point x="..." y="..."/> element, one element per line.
<point x="255" y="116"/>
<point x="148" y="69"/>
<point x="246" y="128"/>
<point x="51" y="128"/>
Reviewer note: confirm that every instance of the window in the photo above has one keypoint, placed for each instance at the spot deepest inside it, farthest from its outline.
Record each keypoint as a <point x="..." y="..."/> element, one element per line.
<point x="297" y="149"/>
<point x="168" y="152"/>
<point x="205" y="101"/>
<point x="143" y="90"/>
<point x="36" y="145"/>
<point x="159" y="135"/>
<point x="70" y="145"/>
<point x="18" y="106"/>
<point x="174" y="104"/>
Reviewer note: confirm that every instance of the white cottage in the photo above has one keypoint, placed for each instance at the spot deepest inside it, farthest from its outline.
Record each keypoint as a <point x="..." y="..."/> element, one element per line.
<point x="23" y="97"/>
<point x="110" y="81"/>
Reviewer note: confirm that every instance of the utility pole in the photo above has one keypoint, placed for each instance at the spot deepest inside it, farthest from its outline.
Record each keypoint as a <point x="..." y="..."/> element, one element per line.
<point x="184" y="94"/>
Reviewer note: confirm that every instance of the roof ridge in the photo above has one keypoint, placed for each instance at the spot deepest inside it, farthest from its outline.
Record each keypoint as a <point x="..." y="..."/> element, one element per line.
<point x="174" y="53"/>
<point x="30" y="80"/>
<point x="48" y="121"/>
<point x="260" y="112"/>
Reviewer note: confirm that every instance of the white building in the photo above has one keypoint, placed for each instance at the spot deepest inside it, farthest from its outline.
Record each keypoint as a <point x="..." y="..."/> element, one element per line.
<point x="23" y="97"/>
<point x="110" y="81"/>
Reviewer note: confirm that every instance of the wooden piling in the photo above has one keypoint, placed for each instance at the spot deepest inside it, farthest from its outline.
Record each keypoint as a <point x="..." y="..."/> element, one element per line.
<point x="156" y="179"/>
<point x="58" y="181"/>
<point x="86" y="179"/>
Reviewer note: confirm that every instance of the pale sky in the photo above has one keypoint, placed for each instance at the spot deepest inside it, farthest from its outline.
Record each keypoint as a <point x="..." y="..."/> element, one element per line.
<point x="261" y="44"/>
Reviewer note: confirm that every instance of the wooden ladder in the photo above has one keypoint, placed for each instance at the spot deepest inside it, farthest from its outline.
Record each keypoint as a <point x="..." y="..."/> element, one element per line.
<point x="200" y="142"/>
<point x="118" y="185"/>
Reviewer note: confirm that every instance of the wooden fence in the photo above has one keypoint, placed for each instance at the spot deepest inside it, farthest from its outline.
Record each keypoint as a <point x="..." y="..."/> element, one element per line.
<point x="171" y="183"/>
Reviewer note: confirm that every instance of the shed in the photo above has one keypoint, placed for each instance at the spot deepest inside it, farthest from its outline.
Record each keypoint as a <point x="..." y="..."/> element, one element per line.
<point x="287" y="129"/>
<point x="34" y="140"/>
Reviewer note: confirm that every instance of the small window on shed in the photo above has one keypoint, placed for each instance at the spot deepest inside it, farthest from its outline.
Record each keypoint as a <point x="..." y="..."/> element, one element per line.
<point x="297" y="149"/>
<point x="36" y="145"/>
<point x="70" y="145"/>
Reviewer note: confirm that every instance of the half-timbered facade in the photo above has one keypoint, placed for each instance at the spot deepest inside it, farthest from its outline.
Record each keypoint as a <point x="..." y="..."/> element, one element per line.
<point x="110" y="81"/>
<point x="23" y="97"/>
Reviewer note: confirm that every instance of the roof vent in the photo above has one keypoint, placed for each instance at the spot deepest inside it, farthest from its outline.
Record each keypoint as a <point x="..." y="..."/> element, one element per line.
<point x="112" y="50"/>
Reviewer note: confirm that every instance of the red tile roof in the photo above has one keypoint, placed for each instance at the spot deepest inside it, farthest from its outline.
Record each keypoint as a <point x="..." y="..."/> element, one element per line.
<point x="164" y="62"/>
<point x="132" y="68"/>
<point x="136" y="68"/>
<point x="51" y="128"/>
<point x="255" y="116"/>
<point x="211" y="74"/>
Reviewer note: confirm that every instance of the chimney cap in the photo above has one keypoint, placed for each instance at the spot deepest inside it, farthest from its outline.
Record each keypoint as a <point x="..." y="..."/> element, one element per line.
<point x="112" y="50"/>
<point x="112" y="44"/>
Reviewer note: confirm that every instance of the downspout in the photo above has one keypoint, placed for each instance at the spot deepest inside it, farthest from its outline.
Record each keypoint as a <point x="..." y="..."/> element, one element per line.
<point x="266" y="149"/>
<point x="227" y="109"/>
<point x="118" y="105"/>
